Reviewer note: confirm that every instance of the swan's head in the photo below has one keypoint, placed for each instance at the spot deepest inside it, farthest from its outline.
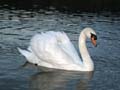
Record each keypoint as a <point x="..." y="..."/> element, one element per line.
<point x="90" y="33"/>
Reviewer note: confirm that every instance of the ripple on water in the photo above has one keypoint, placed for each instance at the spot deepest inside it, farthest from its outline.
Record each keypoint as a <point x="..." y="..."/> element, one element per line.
<point x="18" y="26"/>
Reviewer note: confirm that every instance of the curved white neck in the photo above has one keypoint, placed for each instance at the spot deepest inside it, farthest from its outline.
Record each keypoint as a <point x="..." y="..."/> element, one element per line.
<point x="87" y="61"/>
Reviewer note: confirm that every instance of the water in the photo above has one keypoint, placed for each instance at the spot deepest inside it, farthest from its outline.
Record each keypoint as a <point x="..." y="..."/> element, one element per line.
<point x="18" y="26"/>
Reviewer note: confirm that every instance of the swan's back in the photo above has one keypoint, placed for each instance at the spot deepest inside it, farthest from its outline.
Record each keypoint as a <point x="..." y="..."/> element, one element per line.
<point x="54" y="48"/>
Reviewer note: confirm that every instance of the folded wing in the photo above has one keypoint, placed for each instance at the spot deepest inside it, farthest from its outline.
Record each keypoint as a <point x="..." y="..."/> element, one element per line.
<point x="54" y="48"/>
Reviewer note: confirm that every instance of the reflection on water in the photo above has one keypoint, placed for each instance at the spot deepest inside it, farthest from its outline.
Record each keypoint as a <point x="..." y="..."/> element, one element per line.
<point x="60" y="80"/>
<point x="54" y="79"/>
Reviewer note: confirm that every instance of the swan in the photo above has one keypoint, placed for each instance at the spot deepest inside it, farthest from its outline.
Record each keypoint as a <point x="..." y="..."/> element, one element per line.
<point x="55" y="50"/>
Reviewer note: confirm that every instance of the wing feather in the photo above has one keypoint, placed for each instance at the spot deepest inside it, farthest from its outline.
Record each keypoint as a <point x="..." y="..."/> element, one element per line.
<point x="67" y="46"/>
<point x="54" y="47"/>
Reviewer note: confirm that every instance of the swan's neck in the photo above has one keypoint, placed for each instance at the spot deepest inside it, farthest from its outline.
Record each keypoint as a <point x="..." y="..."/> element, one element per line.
<point x="87" y="61"/>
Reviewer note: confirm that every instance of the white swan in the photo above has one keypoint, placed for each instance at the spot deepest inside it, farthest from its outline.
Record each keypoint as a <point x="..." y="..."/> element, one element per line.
<point x="55" y="50"/>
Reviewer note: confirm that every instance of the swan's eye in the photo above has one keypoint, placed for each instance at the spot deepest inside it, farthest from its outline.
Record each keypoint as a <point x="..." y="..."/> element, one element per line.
<point x="93" y="36"/>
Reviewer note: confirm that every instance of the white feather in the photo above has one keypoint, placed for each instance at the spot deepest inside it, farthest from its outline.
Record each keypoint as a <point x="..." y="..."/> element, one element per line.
<point x="55" y="50"/>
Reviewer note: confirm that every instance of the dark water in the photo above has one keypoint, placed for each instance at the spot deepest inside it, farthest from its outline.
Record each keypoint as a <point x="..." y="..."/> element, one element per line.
<point x="18" y="26"/>
<point x="63" y="5"/>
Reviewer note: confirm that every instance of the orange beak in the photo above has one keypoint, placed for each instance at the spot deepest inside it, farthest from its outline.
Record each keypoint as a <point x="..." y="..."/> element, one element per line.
<point x="94" y="41"/>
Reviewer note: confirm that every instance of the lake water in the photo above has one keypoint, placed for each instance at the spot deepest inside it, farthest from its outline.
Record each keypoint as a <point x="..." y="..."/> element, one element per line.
<point x="18" y="26"/>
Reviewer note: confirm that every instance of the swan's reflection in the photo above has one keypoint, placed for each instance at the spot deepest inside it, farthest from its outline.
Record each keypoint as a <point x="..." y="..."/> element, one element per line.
<point x="60" y="80"/>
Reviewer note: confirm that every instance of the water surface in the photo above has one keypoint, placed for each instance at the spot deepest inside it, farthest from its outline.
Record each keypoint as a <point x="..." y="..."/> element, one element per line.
<point x="18" y="26"/>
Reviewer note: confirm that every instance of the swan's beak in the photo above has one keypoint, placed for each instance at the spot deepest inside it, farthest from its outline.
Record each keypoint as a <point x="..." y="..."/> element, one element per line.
<point x="93" y="41"/>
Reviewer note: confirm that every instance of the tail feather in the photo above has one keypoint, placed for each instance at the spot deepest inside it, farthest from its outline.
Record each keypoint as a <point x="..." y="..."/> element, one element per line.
<point x="24" y="52"/>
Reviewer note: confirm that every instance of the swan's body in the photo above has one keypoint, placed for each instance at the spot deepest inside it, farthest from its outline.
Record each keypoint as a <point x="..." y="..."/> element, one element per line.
<point x="54" y="50"/>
